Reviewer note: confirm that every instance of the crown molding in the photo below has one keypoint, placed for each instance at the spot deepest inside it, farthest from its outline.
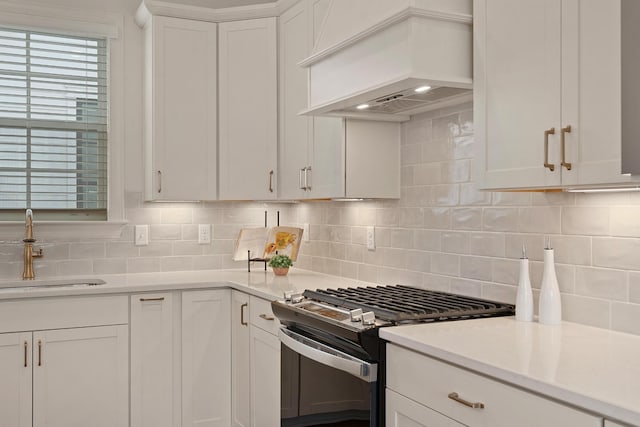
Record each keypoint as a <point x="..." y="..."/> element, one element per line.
<point x="149" y="8"/>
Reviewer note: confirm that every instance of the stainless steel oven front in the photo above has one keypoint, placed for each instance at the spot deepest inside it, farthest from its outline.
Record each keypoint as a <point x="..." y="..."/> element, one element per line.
<point x="322" y="386"/>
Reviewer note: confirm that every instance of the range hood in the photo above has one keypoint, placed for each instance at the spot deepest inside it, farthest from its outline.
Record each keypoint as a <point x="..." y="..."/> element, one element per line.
<point x="376" y="53"/>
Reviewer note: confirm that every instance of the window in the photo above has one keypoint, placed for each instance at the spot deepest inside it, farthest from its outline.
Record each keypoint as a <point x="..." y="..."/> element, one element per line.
<point x="53" y="125"/>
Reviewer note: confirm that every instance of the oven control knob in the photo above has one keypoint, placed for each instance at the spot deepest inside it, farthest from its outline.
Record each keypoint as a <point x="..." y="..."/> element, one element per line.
<point x="296" y="298"/>
<point x="356" y="315"/>
<point x="368" y="318"/>
<point x="287" y="296"/>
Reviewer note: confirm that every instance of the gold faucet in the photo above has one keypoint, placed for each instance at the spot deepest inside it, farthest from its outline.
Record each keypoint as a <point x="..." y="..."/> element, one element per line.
<point x="29" y="254"/>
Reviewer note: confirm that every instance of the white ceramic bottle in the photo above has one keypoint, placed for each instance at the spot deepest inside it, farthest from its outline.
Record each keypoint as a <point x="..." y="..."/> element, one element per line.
<point x="524" y="297"/>
<point x="550" y="304"/>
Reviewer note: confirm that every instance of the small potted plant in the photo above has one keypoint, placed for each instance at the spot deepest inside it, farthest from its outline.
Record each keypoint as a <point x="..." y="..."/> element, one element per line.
<point x="280" y="264"/>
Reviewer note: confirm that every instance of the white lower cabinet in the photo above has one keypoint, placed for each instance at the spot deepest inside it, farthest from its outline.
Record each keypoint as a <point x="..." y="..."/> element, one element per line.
<point x="152" y="361"/>
<point x="206" y="358"/>
<point x="453" y="391"/>
<point x="180" y="359"/>
<point x="404" y="412"/>
<point x="256" y="363"/>
<point x="66" y="370"/>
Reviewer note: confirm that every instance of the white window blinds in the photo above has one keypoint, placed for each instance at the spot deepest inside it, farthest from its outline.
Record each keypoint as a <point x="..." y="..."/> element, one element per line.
<point x="53" y="125"/>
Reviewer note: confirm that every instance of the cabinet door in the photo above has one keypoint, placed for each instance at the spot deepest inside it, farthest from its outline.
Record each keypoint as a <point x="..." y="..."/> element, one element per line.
<point x="181" y="133"/>
<point x="248" y="110"/>
<point x="295" y="45"/>
<point x="327" y="157"/>
<point x="206" y="358"/>
<point x="517" y="90"/>
<point x="80" y="377"/>
<point x="240" y="361"/>
<point x="265" y="378"/>
<point x="591" y="96"/>
<point x="403" y="412"/>
<point x="152" y="385"/>
<point x="15" y="386"/>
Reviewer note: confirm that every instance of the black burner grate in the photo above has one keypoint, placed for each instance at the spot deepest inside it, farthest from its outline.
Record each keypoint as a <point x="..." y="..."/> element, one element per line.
<point x="400" y="303"/>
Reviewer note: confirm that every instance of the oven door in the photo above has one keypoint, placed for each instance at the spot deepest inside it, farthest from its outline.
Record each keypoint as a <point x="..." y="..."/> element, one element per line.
<point x="325" y="387"/>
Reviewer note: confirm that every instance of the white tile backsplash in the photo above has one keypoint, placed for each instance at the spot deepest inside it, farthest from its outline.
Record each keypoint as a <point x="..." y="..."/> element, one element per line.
<point x="442" y="234"/>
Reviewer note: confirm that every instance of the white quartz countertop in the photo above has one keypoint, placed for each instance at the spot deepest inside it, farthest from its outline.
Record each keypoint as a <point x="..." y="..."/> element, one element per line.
<point x="259" y="282"/>
<point x="591" y="368"/>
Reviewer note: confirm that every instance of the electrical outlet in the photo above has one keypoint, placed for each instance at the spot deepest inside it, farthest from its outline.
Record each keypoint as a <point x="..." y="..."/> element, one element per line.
<point x="204" y="234"/>
<point x="371" y="238"/>
<point x="141" y="235"/>
<point x="305" y="232"/>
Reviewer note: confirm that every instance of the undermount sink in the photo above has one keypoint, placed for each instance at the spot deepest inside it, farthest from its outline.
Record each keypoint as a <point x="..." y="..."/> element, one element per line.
<point x="47" y="284"/>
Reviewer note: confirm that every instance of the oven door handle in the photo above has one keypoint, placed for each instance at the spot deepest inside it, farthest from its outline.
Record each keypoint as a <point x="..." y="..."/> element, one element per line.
<point x="328" y="356"/>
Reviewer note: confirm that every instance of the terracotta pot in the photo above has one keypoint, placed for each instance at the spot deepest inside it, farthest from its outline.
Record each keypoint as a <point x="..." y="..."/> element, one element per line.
<point x="280" y="271"/>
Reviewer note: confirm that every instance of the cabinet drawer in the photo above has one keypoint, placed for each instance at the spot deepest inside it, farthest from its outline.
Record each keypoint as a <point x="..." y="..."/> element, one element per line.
<point x="262" y="316"/>
<point x="429" y="382"/>
<point x="58" y="313"/>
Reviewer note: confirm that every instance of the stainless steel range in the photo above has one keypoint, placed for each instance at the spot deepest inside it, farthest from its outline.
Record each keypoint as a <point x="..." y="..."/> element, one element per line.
<point x="332" y="358"/>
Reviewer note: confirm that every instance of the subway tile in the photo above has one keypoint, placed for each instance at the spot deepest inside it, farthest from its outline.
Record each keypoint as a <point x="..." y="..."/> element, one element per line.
<point x="448" y="264"/>
<point x="487" y="244"/>
<point x="354" y="253"/>
<point x="499" y="292"/>
<point x="602" y="199"/>
<point x="438" y="218"/>
<point x="585" y="220"/>
<point x="436" y="282"/>
<point x="446" y="127"/>
<point x="616" y="253"/>
<point x="349" y="270"/>
<point x="588" y="311"/>
<point x="122" y="249"/>
<point x="387" y="217"/>
<point x="506" y="271"/>
<point x="176" y="216"/>
<point x="456" y="242"/>
<point x="366" y="216"/>
<point x="427" y="240"/>
<point x="466" y="218"/>
<point x="634" y="287"/>
<point x="411" y="217"/>
<point x="418" y="261"/>
<point x="402" y="238"/>
<point x="359" y="235"/>
<point x="110" y="266"/>
<point x="572" y="249"/>
<point x="565" y="274"/>
<point x="471" y="288"/>
<point x="340" y="234"/>
<point x="337" y="250"/>
<point x="548" y="198"/>
<point x="625" y="221"/>
<point x="208" y="216"/>
<point x="207" y="262"/>
<point x="534" y="246"/>
<point x="190" y="232"/>
<point x="417" y="196"/>
<point x="78" y="267"/>
<point x="368" y="273"/>
<point x="143" y="265"/>
<point x="156" y="249"/>
<point x="391" y="276"/>
<point x="478" y="268"/>
<point x="176" y="263"/>
<point x="187" y="248"/>
<point x="427" y="173"/>
<point x="446" y="195"/>
<point x="416" y="131"/>
<point x="455" y="171"/>
<point x="602" y="283"/>
<point x="624" y="317"/>
<point x="165" y="232"/>
<point x="87" y="250"/>
<point x="539" y="220"/>
<point x="500" y="219"/>
<point x="508" y="198"/>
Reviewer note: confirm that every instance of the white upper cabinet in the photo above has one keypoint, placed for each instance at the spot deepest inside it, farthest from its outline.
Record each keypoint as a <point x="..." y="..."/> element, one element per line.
<point x="311" y="163"/>
<point x="248" y="110"/>
<point x="180" y="103"/>
<point x="547" y="93"/>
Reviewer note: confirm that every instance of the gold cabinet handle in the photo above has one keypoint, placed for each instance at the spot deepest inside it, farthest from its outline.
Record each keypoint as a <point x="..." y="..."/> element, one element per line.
<point x="26" y="347"/>
<point x="271" y="181"/>
<point x="457" y="398"/>
<point x="302" y="171"/>
<point x="242" y="321"/>
<point x="548" y="132"/>
<point x="267" y="317"/>
<point x="151" y="299"/>
<point x="159" y="181"/>
<point x="564" y="131"/>
<point x="39" y="352"/>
